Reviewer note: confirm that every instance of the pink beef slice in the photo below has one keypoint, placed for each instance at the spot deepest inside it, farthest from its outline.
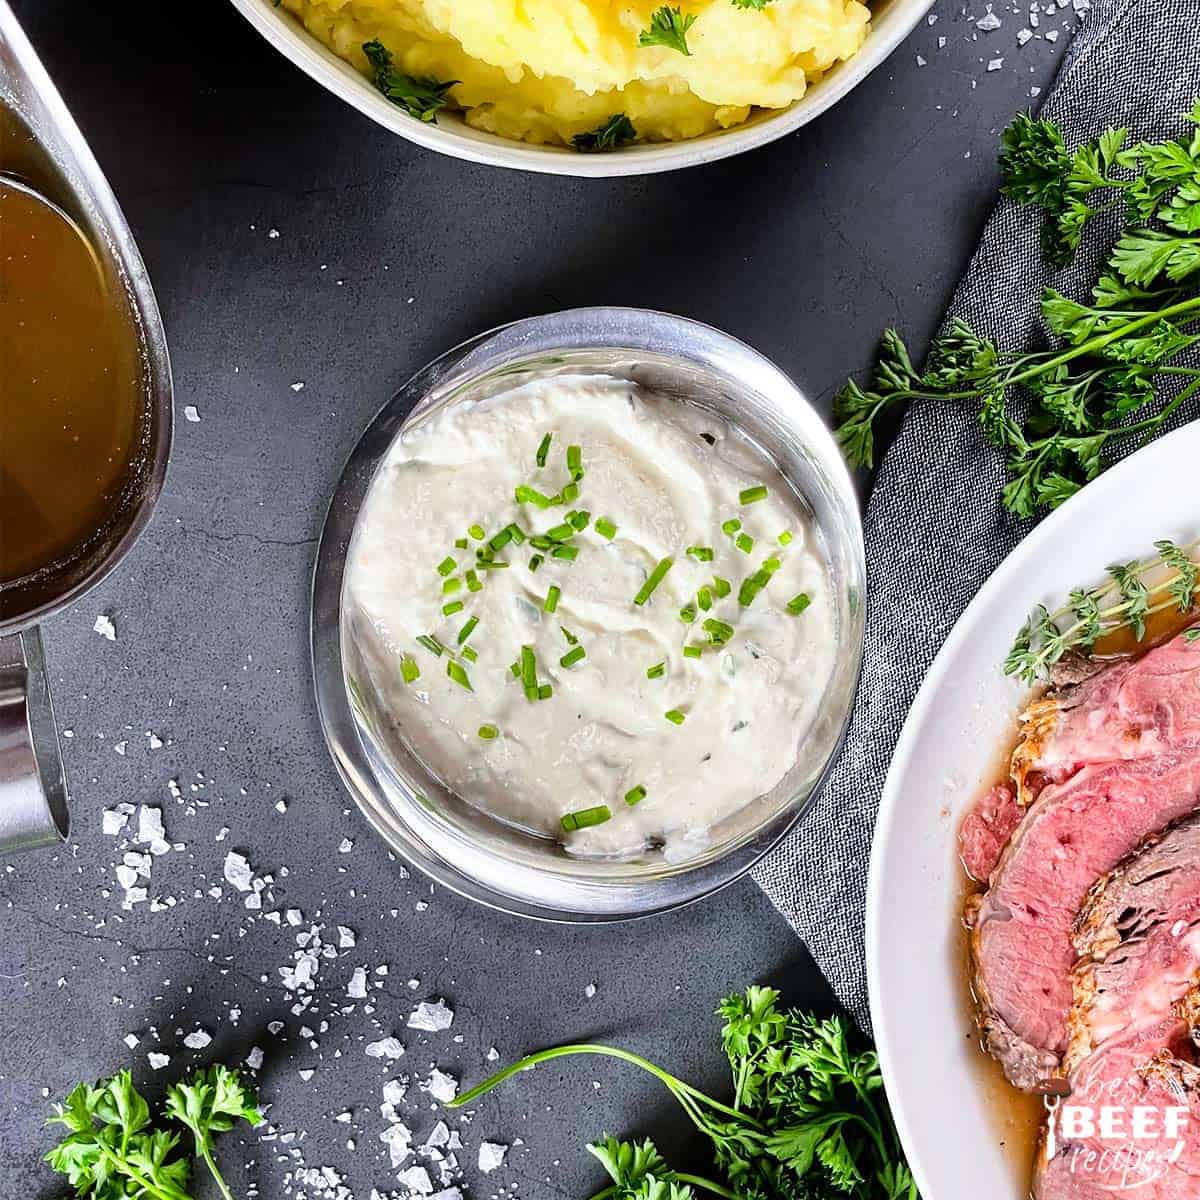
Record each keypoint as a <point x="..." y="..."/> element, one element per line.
<point x="985" y="831"/>
<point x="1021" y="946"/>
<point x="1135" y="709"/>
<point x="1150" y="1067"/>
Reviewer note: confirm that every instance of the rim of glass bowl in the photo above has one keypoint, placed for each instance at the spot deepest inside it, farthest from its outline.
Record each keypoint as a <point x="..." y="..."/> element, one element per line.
<point x="475" y="854"/>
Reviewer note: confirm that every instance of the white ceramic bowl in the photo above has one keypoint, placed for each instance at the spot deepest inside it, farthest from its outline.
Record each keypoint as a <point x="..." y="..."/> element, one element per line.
<point x="948" y="1103"/>
<point x="892" y="21"/>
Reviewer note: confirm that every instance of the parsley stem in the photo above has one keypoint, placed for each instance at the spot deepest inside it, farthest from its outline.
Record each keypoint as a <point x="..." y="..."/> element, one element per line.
<point x="156" y="1191"/>
<point x="206" y="1154"/>
<point x="684" y="1092"/>
<point x="681" y="1177"/>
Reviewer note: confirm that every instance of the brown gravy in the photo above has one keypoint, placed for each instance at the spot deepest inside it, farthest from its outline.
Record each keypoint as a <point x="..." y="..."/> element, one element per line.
<point x="72" y="390"/>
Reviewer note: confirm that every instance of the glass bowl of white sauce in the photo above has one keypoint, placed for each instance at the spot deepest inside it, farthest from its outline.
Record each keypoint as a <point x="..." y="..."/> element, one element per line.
<point x="597" y="674"/>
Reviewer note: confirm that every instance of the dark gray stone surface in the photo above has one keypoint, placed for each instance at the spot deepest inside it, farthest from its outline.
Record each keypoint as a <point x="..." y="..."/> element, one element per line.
<point x="385" y="256"/>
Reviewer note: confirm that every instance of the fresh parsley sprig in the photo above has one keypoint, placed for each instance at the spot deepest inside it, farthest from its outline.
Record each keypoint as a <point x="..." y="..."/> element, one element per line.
<point x="1132" y="594"/>
<point x="419" y="95"/>
<point x="112" y="1150"/>
<point x="668" y="27"/>
<point x="1114" y="375"/>
<point x="617" y="131"/>
<point x="808" y="1117"/>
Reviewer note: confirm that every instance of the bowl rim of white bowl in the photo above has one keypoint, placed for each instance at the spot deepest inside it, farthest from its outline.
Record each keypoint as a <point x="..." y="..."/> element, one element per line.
<point x="895" y="22"/>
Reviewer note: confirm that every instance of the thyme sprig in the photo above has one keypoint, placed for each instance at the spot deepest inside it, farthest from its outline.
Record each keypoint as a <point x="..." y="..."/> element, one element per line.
<point x="1132" y="594"/>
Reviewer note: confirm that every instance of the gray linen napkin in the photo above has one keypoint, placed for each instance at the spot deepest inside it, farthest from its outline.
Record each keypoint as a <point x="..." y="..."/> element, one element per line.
<point x="934" y="527"/>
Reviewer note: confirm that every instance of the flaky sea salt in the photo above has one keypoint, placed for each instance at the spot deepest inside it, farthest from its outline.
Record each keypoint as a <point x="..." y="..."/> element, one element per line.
<point x="357" y="989"/>
<point x="191" y="413"/>
<point x="388" y="1047"/>
<point x="441" y="1086"/>
<point x="197" y="1039"/>
<point x="105" y="628"/>
<point x="237" y="871"/>
<point x="431" y="1018"/>
<point x="157" y="1061"/>
<point x="491" y="1156"/>
<point x="989" y="22"/>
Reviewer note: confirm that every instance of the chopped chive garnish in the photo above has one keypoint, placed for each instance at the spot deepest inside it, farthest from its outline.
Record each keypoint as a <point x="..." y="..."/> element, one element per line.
<point x="458" y="673"/>
<point x="721" y="586"/>
<point x="687" y="614"/>
<point x="701" y="553"/>
<point x="634" y="795"/>
<point x="455" y="606"/>
<point x="570" y="553"/>
<point x="731" y="526"/>
<point x="541" y="542"/>
<point x="744" y="542"/>
<point x="785" y="538"/>
<point x="655" y="578"/>
<point x="451" y="585"/>
<point x="467" y="629"/>
<point x="752" y="585"/>
<point x="605" y="528"/>
<point x="771" y="565"/>
<point x="528" y="495"/>
<point x="569" y="494"/>
<point x="499" y="540"/>
<point x="461" y="543"/>
<point x="572" y="640"/>
<point x="575" y="462"/>
<point x="487" y="732"/>
<point x="719" y="632"/>
<point x="543" y="450"/>
<point x="446" y="565"/>
<point x="657" y="671"/>
<point x="515" y="668"/>
<point x="535" y="562"/>
<point x="675" y="716"/>
<point x="551" y="601"/>
<point x="572" y="656"/>
<point x="693" y="651"/>
<point x="585" y="817"/>
<point x="477" y="532"/>
<point x="579" y="520"/>
<point x="545" y="692"/>
<point x="560" y="533"/>
<point x="473" y="584"/>
<point x="751" y="494"/>
<point x="529" y="672"/>
<point x="516" y="532"/>
<point x="431" y="643"/>
<point x="491" y="564"/>
<point x="409" y="669"/>
<point x="704" y="598"/>
<point x="797" y="604"/>
<point x="468" y="653"/>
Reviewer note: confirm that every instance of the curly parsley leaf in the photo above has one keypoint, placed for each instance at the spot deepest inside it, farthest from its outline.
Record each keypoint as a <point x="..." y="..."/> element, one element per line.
<point x="668" y="27"/>
<point x="617" y="131"/>
<point x="419" y="95"/>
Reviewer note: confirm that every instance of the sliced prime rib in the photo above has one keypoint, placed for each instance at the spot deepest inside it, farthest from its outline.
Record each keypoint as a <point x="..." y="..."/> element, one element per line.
<point x="985" y="831"/>
<point x="1131" y="709"/>
<point x="1021" y="927"/>
<point x="1132" y="1025"/>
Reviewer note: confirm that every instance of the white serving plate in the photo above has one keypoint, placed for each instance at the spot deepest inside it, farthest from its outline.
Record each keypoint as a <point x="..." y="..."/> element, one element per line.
<point x="950" y="748"/>
<point x="892" y="22"/>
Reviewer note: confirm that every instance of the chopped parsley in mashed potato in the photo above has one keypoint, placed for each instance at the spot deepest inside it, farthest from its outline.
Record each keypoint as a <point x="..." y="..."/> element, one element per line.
<point x="547" y="71"/>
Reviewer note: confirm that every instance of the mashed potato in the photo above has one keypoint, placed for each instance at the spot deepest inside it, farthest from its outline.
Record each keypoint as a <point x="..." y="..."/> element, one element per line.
<point x="546" y="70"/>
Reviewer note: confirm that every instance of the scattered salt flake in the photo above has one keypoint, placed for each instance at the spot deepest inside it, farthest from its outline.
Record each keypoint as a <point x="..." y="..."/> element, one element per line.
<point x="281" y="806"/>
<point x="237" y="871"/>
<point x="1035" y="92"/>
<point x="306" y="1073"/>
<point x="491" y="1156"/>
<point x="388" y="1047"/>
<point x="131" y="1040"/>
<point x="438" y="1136"/>
<point x="398" y="1139"/>
<point x="357" y="989"/>
<point x="298" y="386"/>
<point x="272" y="233"/>
<point x="431" y="1018"/>
<point x="254" y="1059"/>
<point x="1052" y="35"/>
<point x="920" y="61"/>
<point x="346" y="938"/>
<point x="197" y="1039"/>
<point x="590" y="990"/>
<point x="1024" y="36"/>
<point x="989" y="22"/>
<point x="154" y="741"/>
<point x="441" y="1086"/>
<point x="345" y="846"/>
<point x="394" y="1091"/>
<point x="114" y="819"/>
<point x="493" y="1054"/>
<point x="157" y="1061"/>
<point x="191" y="413"/>
<point x="105" y="628"/>
<point x="344" y="1117"/>
<point x="417" y="1180"/>
<point x="120" y="747"/>
<point x="995" y="64"/>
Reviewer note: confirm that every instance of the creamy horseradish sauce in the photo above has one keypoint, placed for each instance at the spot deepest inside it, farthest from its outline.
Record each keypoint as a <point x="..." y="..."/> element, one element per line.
<point x="597" y="613"/>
